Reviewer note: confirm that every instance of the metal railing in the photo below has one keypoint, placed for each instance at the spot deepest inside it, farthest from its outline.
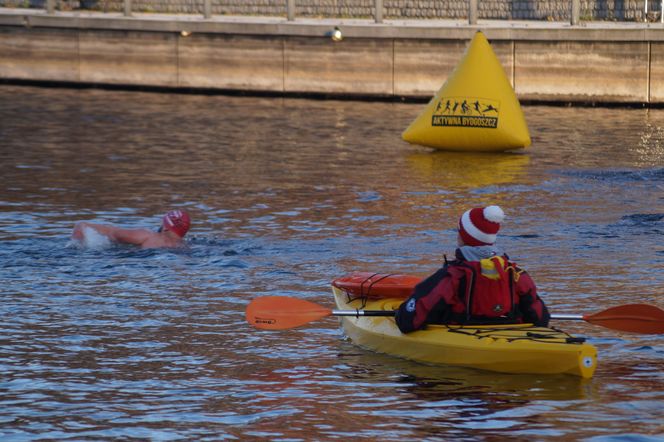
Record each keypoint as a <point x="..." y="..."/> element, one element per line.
<point x="575" y="10"/>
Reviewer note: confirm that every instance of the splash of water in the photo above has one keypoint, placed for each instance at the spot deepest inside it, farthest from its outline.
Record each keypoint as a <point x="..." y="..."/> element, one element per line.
<point x="92" y="239"/>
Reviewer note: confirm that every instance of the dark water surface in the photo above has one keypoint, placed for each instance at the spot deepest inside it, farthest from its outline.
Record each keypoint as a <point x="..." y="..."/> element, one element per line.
<point x="113" y="342"/>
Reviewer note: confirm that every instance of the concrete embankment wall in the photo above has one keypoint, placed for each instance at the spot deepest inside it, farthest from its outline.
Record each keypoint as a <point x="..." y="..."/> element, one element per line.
<point x="544" y="61"/>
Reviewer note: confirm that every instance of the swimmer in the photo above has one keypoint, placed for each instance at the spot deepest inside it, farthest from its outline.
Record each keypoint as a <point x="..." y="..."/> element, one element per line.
<point x="174" y="226"/>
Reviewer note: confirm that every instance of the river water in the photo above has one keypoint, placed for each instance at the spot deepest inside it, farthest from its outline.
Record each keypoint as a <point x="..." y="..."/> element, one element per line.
<point x="113" y="342"/>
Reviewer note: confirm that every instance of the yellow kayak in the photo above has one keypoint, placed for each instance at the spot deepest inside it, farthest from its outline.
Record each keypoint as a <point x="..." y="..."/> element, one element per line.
<point x="513" y="348"/>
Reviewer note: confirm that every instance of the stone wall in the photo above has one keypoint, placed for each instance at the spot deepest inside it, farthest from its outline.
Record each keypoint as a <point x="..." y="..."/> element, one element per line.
<point x="602" y="64"/>
<point x="552" y="10"/>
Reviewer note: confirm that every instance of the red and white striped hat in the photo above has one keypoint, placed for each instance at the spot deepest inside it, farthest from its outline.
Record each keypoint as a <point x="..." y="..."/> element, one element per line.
<point x="479" y="226"/>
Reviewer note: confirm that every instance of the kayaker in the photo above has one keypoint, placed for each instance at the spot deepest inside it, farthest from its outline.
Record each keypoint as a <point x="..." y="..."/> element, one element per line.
<point x="174" y="227"/>
<point x="480" y="286"/>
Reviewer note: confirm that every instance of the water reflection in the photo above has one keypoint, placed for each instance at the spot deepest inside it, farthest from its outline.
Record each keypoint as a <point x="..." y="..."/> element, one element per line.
<point x="367" y="394"/>
<point x="453" y="170"/>
<point x="429" y="382"/>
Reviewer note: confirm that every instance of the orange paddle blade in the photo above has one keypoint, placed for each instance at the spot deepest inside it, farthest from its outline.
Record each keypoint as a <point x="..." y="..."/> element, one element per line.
<point x="283" y="312"/>
<point x="635" y="318"/>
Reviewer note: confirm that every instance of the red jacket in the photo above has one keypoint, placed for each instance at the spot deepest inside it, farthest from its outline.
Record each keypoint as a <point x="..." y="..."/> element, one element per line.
<point x="446" y="296"/>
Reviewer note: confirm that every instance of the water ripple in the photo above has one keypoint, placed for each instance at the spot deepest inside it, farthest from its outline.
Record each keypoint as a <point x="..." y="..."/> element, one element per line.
<point x="115" y="342"/>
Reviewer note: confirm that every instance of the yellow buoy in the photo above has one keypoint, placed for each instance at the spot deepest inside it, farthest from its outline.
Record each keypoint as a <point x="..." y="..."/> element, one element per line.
<point x="475" y="110"/>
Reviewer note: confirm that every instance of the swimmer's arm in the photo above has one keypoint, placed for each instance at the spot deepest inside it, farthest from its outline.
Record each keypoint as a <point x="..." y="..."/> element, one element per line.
<point x="128" y="236"/>
<point x="77" y="233"/>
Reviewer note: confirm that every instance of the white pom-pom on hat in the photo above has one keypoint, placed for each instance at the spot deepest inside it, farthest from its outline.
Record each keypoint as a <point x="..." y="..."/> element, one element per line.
<point x="494" y="214"/>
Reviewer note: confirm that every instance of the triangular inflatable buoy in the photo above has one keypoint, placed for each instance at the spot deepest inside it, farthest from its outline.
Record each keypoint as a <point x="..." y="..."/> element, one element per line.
<point x="475" y="110"/>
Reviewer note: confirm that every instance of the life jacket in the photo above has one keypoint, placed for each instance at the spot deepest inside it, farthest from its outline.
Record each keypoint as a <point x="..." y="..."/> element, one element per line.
<point x="487" y="291"/>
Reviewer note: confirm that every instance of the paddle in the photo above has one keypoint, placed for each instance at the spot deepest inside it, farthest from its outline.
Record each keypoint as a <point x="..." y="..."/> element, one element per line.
<point x="283" y="312"/>
<point x="634" y="318"/>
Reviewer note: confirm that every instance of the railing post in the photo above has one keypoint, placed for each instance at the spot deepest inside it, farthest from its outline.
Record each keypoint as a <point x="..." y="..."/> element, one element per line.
<point x="50" y="6"/>
<point x="379" y="11"/>
<point x="472" y="12"/>
<point x="576" y="12"/>
<point x="290" y="10"/>
<point x="127" y="8"/>
<point x="207" y="9"/>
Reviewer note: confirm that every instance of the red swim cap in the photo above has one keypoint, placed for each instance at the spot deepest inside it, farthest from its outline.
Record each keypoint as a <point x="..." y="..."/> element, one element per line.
<point x="177" y="221"/>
